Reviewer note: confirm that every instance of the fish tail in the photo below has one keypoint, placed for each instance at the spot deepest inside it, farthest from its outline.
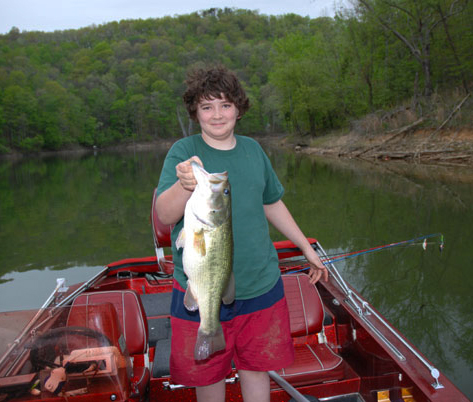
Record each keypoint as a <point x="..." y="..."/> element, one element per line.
<point x="207" y="344"/>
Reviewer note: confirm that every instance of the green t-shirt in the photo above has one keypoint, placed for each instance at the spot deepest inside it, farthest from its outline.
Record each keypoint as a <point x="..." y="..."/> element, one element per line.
<point x="253" y="183"/>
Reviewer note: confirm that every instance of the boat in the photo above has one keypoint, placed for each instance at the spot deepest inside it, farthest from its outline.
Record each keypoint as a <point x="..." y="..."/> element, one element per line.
<point x="108" y="339"/>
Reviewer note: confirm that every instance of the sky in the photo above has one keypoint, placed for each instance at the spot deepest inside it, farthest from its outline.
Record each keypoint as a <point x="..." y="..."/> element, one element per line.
<point x="51" y="15"/>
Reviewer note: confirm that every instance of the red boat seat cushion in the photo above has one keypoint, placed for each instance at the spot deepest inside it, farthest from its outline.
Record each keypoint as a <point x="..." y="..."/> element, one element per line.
<point x="162" y="232"/>
<point x="306" y="310"/>
<point x="314" y="362"/>
<point x="131" y="315"/>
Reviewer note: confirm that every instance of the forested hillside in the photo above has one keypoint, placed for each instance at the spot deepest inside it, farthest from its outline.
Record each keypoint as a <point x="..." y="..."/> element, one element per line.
<point x="123" y="81"/>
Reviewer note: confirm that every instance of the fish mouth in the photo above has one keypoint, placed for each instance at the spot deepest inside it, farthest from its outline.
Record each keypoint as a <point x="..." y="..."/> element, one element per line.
<point x="201" y="219"/>
<point x="204" y="221"/>
<point x="207" y="222"/>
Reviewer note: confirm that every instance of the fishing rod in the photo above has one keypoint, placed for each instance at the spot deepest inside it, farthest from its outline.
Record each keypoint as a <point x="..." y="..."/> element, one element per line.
<point x="343" y="256"/>
<point x="334" y="256"/>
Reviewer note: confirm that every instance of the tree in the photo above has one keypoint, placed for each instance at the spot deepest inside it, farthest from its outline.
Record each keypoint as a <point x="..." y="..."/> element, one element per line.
<point x="413" y="23"/>
<point x="19" y="110"/>
<point x="103" y="84"/>
<point x="119" y="118"/>
<point x="53" y="120"/>
<point x="162" y="109"/>
<point x="3" y="139"/>
<point x="450" y="41"/>
<point x="309" y="74"/>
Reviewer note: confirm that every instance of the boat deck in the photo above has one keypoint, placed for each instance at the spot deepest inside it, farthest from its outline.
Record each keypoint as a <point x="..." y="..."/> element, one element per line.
<point x="344" y="350"/>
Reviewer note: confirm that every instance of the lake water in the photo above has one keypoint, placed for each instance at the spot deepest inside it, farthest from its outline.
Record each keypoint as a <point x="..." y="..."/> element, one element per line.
<point x="69" y="216"/>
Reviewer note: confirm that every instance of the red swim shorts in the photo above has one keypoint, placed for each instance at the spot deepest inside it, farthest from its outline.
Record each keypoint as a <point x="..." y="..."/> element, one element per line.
<point x="257" y="335"/>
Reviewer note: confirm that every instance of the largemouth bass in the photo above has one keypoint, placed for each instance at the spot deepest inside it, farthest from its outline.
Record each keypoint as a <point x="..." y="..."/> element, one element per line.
<point x="207" y="257"/>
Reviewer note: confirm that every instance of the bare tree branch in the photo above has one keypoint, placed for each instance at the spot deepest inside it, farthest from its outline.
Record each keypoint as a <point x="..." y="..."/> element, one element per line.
<point x="415" y="52"/>
<point x="451" y="13"/>
<point x="393" y="5"/>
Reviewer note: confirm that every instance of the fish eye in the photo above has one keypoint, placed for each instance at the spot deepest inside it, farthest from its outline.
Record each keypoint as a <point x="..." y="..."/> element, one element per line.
<point x="226" y="191"/>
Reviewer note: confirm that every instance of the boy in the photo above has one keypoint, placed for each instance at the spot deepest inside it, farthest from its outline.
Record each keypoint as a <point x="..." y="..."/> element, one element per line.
<point x="256" y="325"/>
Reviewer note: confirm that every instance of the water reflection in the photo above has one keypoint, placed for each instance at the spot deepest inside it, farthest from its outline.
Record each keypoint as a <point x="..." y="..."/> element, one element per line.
<point x="79" y="212"/>
<point x="83" y="209"/>
<point x="427" y="294"/>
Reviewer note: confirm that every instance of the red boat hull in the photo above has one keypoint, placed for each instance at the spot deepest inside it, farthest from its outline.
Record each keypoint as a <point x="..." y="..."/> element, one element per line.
<point x="359" y="356"/>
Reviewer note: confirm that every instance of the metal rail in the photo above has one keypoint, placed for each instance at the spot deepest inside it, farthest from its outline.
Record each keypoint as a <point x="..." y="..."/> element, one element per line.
<point x="32" y="322"/>
<point x="32" y="325"/>
<point x="296" y="395"/>
<point x="363" y="308"/>
<point x="86" y="285"/>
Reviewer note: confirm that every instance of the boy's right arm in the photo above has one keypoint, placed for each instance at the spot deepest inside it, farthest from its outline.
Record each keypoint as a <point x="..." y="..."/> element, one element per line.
<point x="171" y="203"/>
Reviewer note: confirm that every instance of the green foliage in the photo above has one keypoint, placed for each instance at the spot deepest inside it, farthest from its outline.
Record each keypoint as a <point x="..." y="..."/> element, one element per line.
<point x="124" y="80"/>
<point x="32" y="143"/>
<point x="315" y="78"/>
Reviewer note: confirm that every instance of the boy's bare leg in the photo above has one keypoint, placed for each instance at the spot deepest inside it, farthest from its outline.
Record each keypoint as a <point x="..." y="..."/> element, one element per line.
<point x="211" y="393"/>
<point x="254" y="385"/>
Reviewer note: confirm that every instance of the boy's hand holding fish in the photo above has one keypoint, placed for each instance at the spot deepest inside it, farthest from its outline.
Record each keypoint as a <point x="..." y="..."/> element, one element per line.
<point x="170" y="205"/>
<point x="185" y="173"/>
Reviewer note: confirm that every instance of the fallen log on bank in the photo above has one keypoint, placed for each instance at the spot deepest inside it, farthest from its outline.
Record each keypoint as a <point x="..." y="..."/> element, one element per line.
<point x="437" y="156"/>
<point x="397" y="132"/>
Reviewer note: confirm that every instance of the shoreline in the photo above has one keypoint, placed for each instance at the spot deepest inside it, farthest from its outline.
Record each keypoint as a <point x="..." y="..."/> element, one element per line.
<point x="422" y="147"/>
<point x="80" y="150"/>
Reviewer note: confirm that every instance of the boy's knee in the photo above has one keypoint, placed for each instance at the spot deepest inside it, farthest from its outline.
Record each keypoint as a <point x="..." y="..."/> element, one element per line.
<point x="211" y="393"/>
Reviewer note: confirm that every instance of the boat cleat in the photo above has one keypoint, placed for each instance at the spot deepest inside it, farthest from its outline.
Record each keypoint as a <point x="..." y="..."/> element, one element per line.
<point x="436" y="374"/>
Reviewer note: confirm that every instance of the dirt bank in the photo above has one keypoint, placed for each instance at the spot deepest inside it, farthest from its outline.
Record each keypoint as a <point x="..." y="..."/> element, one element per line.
<point x="445" y="147"/>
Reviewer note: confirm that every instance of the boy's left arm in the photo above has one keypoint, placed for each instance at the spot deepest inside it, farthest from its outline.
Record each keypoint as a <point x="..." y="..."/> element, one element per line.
<point x="282" y="220"/>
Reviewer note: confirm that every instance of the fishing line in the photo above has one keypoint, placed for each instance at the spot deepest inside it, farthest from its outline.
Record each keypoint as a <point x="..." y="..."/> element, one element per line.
<point x="344" y="256"/>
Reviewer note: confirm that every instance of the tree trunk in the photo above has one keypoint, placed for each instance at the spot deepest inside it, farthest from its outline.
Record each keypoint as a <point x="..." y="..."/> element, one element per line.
<point x="370" y="90"/>
<point x="312" y="125"/>
<point x="185" y="133"/>
<point x="454" y="50"/>
<point x="427" y="77"/>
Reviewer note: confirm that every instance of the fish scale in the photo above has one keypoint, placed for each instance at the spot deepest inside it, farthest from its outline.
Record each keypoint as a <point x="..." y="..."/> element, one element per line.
<point x="210" y="268"/>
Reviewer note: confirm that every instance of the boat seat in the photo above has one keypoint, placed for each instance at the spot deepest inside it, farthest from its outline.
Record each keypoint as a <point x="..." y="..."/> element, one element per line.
<point x="314" y="362"/>
<point x="132" y="318"/>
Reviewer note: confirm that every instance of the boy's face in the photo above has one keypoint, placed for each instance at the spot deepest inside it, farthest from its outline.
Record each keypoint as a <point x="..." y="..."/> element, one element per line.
<point x="217" y="118"/>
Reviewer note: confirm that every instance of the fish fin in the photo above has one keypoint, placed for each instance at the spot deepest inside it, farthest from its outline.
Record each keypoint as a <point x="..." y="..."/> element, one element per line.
<point x="207" y="344"/>
<point x="229" y="293"/>
<point x="190" y="302"/>
<point x="199" y="242"/>
<point x="181" y="238"/>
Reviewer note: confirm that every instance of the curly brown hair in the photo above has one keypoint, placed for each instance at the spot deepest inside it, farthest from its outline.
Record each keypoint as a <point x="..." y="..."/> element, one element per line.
<point x="212" y="83"/>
